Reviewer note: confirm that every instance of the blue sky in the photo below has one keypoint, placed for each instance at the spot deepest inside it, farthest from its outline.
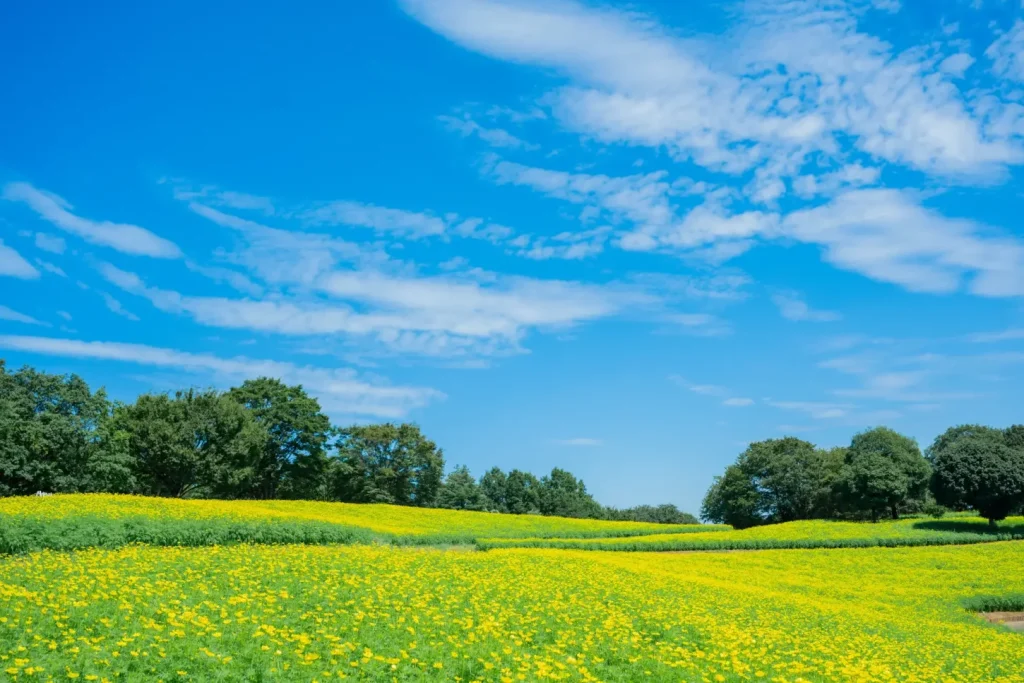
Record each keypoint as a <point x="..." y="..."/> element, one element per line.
<point x="621" y="239"/>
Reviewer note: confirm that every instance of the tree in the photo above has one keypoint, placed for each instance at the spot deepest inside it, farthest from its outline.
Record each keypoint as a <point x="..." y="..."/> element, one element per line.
<point x="656" y="514"/>
<point x="387" y="463"/>
<point x="294" y="458"/>
<point x="883" y="471"/>
<point x="980" y="472"/>
<point x="49" y="436"/>
<point x="777" y="480"/>
<point x="1013" y="437"/>
<point x="522" y="493"/>
<point x="493" y="484"/>
<point x="196" y="443"/>
<point x="950" y="436"/>
<point x="562" y="494"/>
<point x="460" y="491"/>
<point x="733" y="499"/>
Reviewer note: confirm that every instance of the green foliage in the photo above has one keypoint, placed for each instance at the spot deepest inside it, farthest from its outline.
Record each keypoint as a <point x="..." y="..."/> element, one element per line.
<point x="192" y="444"/>
<point x="386" y="463"/>
<point x="658" y="514"/>
<point x="460" y="491"/>
<point x="522" y="493"/>
<point x="883" y="471"/>
<point x="294" y="456"/>
<point x="733" y="499"/>
<point x="50" y="436"/>
<point x="777" y="480"/>
<point x="492" y="485"/>
<point x="90" y="531"/>
<point x="982" y="473"/>
<point x="948" y="437"/>
<point x="563" y="495"/>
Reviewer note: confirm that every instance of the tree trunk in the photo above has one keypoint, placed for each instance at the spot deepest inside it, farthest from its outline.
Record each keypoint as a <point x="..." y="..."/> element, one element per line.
<point x="992" y="524"/>
<point x="895" y="512"/>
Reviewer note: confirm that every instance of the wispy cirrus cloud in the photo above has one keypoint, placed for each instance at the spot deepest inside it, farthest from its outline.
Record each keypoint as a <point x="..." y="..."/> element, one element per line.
<point x="12" y="315"/>
<point x="123" y="237"/>
<point x="339" y="390"/>
<point x="13" y="264"/>
<point x="792" y="306"/>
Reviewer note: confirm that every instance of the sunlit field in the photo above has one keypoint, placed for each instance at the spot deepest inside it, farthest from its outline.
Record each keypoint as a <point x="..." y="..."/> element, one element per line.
<point x="802" y="534"/>
<point x="386" y="613"/>
<point x="79" y="521"/>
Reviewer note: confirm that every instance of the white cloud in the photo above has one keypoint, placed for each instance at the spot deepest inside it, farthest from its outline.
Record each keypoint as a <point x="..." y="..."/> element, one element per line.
<point x="792" y="307"/>
<point x="51" y="268"/>
<point x="815" y="409"/>
<point x="579" y="441"/>
<point x="495" y="137"/>
<point x="13" y="265"/>
<point x="115" y="306"/>
<point x="65" y="315"/>
<point x="851" y="175"/>
<point x="567" y="245"/>
<point x="1005" y="335"/>
<point x="14" y="316"/>
<point x="887" y="235"/>
<point x="957" y="64"/>
<point x="1007" y="53"/>
<point x="339" y="390"/>
<point x="425" y="315"/>
<point x="726" y="104"/>
<point x="50" y="243"/>
<point x="738" y="402"/>
<point x="410" y="224"/>
<point x="129" y="239"/>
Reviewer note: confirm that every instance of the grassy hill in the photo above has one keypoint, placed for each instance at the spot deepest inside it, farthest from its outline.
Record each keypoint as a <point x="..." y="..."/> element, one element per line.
<point x="98" y="520"/>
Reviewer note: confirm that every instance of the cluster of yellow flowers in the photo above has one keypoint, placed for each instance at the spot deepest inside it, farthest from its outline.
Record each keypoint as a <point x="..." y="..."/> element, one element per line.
<point x="392" y="520"/>
<point x="321" y="613"/>
<point x="807" y="533"/>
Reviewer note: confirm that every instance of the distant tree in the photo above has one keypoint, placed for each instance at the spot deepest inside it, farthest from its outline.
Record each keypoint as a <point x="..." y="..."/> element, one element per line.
<point x="982" y="473"/>
<point x="883" y="472"/>
<point x="294" y="458"/>
<point x="522" y="493"/>
<point x="387" y="463"/>
<point x="656" y="514"/>
<point x="196" y="443"/>
<point x="561" y="494"/>
<point x="460" y="491"/>
<point x="950" y="436"/>
<point x="777" y="480"/>
<point x="1013" y="437"/>
<point x="493" y="485"/>
<point x="733" y="499"/>
<point x="50" y="436"/>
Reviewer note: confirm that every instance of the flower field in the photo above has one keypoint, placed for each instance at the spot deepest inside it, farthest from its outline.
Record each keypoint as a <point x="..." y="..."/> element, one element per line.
<point x="322" y="613"/>
<point x="802" y="534"/>
<point x="67" y="522"/>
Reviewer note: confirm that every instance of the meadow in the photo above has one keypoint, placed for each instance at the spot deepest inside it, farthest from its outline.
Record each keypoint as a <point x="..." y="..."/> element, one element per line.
<point x="380" y="613"/>
<point x="227" y="594"/>
<point x="68" y="522"/>
<point x="953" y="530"/>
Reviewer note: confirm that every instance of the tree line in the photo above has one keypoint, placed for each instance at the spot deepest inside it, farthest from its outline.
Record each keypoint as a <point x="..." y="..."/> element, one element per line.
<point x="263" y="439"/>
<point x="881" y="473"/>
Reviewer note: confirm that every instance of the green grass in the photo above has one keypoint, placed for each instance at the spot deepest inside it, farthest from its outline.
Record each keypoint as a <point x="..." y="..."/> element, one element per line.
<point x="73" y="522"/>
<point x="803" y="534"/>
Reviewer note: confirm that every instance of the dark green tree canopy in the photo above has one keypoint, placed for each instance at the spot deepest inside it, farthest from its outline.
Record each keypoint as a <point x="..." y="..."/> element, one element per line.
<point x="562" y="494"/>
<point x="982" y="473"/>
<point x="460" y="491"/>
<point x="492" y="485"/>
<point x="777" y="480"/>
<point x="884" y="471"/>
<point x="196" y="443"/>
<point x="294" y="455"/>
<point x="50" y="436"/>
<point x="387" y="463"/>
<point x="950" y="436"/>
